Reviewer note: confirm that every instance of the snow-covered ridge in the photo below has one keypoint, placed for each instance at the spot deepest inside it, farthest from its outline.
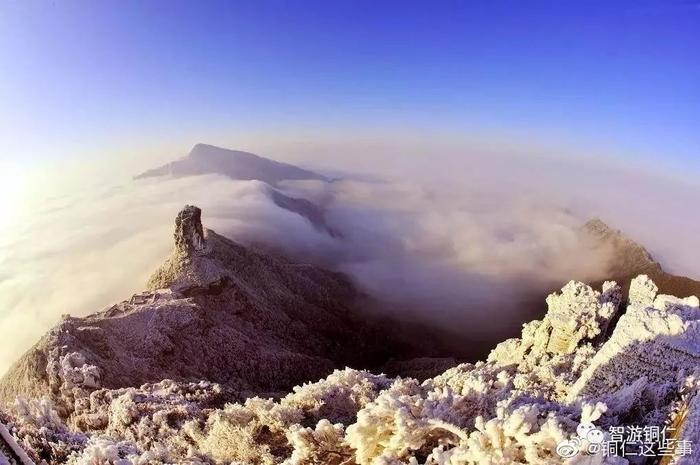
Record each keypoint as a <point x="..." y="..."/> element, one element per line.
<point x="216" y="311"/>
<point x="583" y="362"/>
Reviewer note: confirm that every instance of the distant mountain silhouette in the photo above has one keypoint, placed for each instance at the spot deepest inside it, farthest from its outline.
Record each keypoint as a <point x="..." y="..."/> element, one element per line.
<point x="235" y="164"/>
<point x="244" y="166"/>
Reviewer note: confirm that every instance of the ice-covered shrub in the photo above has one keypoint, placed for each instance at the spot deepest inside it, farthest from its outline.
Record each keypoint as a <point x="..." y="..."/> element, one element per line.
<point x="514" y="408"/>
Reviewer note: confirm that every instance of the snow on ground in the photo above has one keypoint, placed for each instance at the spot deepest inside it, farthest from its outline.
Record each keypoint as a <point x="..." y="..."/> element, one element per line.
<point x="527" y="398"/>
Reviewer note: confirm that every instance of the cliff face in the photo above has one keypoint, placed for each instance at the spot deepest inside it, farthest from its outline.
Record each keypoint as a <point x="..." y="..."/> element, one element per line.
<point x="216" y="311"/>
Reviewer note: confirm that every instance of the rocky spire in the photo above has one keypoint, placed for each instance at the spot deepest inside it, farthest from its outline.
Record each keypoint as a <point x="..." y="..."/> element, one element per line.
<point x="189" y="234"/>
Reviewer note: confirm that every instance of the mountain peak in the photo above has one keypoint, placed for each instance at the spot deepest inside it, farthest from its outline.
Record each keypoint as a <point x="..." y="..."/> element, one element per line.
<point x="234" y="164"/>
<point x="193" y="267"/>
<point x="628" y="259"/>
<point x="596" y="225"/>
<point x="202" y="146"/>
<point x="208" y="151"/>
<point x="189" y="233"/>
<point x="630" y="251"/>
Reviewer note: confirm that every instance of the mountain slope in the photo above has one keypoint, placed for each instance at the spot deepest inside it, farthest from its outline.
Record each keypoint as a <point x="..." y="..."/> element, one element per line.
<point x="215" y="311"/>
<point x="235" y="164"/>
<point x="629" y="259"/>
<point x="525" y="404"/>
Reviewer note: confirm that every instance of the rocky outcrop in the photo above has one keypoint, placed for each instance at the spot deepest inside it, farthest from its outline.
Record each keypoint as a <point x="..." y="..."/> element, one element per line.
<point x="657" y="340"/>
<point x="214" y="311"/>
<point x="579" y="313"/>
<point x="189" y="233"/>
<point x="191" y="267"/>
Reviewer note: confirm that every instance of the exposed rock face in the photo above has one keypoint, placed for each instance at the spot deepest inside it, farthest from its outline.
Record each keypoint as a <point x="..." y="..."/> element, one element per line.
<point x="189" y="234"/>
<point x="214" y="311"/>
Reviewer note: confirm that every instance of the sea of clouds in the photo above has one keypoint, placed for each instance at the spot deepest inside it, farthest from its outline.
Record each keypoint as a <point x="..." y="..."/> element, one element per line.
<point x="460" y="242"/>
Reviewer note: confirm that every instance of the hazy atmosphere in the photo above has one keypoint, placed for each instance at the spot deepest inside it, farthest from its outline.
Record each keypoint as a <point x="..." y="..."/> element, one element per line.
<point x="473" y="176"/>
<point x="400" y="192"/>
<point x="455" y="231"/>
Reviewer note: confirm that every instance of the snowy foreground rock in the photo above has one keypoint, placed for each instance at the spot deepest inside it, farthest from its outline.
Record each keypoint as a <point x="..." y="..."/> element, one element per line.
<point x="244" y="328"/>
<point x="583" y="362"/>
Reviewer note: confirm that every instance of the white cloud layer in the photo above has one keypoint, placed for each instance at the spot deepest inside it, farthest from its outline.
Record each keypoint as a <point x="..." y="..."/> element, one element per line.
<point x="452" y="241"/>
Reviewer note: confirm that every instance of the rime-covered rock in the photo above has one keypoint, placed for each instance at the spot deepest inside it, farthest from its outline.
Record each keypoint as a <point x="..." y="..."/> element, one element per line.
<point x="579" y="313"/>
<point x="552" y="352"/>
<point x="189" y="233"/>
<point x="215" y="311"/>
<point x="642" y="291"/>
<point x="531" y="394"/>
<point x="657" y="339"/>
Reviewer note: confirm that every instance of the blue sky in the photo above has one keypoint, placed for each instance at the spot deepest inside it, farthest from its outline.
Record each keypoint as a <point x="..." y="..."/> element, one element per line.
<point x="619" y="78"/>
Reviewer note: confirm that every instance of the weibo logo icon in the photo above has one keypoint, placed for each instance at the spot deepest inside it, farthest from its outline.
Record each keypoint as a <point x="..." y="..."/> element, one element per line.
<point x="585" y="431"/>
